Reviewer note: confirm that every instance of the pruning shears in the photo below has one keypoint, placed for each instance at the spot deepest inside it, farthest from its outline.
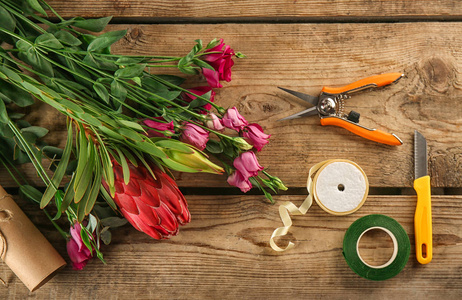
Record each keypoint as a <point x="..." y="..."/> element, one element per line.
<point x="329" y="106"/>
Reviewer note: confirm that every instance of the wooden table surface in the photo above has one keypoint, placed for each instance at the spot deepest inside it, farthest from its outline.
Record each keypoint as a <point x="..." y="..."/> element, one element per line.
<point x="224" y="252"/>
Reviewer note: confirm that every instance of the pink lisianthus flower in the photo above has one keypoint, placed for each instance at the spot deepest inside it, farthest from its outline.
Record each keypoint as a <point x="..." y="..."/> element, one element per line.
<point x="214" y="123"/>
<point x="76" y="249"/>
<point x="212" y="77"/>
<point x="246" y="166"/>
<point x="254" y="134"/>
<point x="199" y="91"/>
<point x="220" y="58"/>
<point x="238" y="180"/>
<point x="194" y="135"/>
<point x="160" y="127"/>
<point x="234" y="120"/>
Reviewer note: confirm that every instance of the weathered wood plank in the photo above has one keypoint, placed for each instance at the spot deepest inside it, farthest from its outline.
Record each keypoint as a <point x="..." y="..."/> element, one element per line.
<point x="306" y="57"/>
<point x="268" y="9"/>
<point x="224" y="253"/>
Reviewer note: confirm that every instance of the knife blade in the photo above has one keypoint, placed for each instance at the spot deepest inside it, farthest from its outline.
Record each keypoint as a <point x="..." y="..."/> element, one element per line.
<point x="423" y="214"/>
<point x="420" y="155"/>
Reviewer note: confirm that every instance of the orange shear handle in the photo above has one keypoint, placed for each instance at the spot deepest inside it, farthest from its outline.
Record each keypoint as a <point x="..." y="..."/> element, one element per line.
<point x="373" y="81"/>
<point x="370" y="134"/>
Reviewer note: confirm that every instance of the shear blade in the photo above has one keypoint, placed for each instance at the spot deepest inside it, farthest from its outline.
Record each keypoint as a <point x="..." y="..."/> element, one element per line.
<point x="308" y="98"/>
<point x="305" y="113"/>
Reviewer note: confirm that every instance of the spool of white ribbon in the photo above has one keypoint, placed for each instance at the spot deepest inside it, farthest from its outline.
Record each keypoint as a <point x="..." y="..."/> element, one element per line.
<point x="339" y="187"/>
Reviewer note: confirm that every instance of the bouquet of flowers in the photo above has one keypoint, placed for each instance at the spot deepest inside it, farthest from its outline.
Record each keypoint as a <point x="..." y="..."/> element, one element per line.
<point x="127" y="126"/>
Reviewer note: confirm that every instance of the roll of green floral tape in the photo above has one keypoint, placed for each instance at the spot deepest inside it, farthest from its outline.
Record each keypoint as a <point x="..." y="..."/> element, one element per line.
<point x="401" y="247"/>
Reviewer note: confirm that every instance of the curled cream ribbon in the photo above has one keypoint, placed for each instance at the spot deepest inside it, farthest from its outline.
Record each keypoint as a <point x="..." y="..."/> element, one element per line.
<point x="288" y="207"/>
<point x="5" y="216"/>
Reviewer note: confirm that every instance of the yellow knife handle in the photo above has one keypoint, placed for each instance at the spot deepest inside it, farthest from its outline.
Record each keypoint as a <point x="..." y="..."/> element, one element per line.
<point x="423" y="220"/>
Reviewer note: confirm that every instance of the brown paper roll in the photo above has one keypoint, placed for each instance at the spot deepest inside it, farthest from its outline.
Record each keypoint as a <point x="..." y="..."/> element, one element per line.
<point x="24" y="249"/>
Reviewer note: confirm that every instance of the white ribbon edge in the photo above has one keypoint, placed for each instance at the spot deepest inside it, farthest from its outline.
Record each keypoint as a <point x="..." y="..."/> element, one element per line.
<point x="288" y="207"/>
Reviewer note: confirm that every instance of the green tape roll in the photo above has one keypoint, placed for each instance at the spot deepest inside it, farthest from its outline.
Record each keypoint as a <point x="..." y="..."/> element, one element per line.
<point x="402" y="247"/>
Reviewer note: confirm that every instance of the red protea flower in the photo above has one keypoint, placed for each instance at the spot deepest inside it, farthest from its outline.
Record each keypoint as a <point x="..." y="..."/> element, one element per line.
<point x="154" y="206"/>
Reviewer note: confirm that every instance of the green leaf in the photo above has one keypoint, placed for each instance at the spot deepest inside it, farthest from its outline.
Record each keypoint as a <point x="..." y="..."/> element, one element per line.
<point x="36" y="6"/>
<point x="149" y="148"/>
<point x="6" y="20"/>
<point x="58" y="201"/>
<point x="111" y="133"/>
<point x="83" y="153"/>
<point x="29" y="55"/>
<point x="188" y="70"/>
<point x="186" y="60"/>
<point x="39" y="132"/>
<point x="67" y="38"/>
<point x="106" y="236"/>
<point x="118" y="90"/>
<point x="84" y="178"/>
<point x="94" y="189"/>
<point x="106" y="40"/>
<point x="198" y="102"/>
<point x="169" y="95"/>
<point x="199" y="44"/>
<point x="82" y="205"/>
<point x="108" y="173"/>
<point x="52" y="103"/>
<point x="75" y="108"/>
<point x="95" y="25"/>
<point x="10" y="93"/>
<point x="69" y="194"/>
<point x="31" y="88"/>
<point x="178" y="167"/>
<point x="214" y="147"/>
<point x="113" y="222"/>
<point x="59" y="172"/>
<point x="143" y="161"/>
<point x="52" y="152"/>
<point x="125" y="61"/>
<point x="108" y="198"/>
<point x="130" y="157"/>
<point x="130" y="134"/>
<point x="92" y="223"/>
<point x="130" y="71"/>
<point x="3" y="113"/>
<point x="10" y="73"/>
<point x="202" y="64"/>
<point x="172" y="79"/>
<point x="175" y="145"/>
<point x="103" y="64"/>
<point x="212" y="43"/>
<point x="101" y="91"/>
<point x="31" y="193"/>
<point x="86" y="239"/>
<point x="125" y="168"/>
<point x="137" y="80"/>
<point x="131" y="124"/>
<point x="48" y="40"/>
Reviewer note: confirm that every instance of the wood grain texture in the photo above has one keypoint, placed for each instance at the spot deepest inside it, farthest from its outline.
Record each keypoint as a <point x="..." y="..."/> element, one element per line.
<point x="306" y="57"/>
<point x="224" y="253"/>
<point x="194" y="10"/>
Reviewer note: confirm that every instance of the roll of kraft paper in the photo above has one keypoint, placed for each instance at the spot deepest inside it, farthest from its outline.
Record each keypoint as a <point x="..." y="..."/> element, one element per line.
<point x="401" y="247"/>
<point x="23" y="248"/>
<point x="339" y="187"/>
